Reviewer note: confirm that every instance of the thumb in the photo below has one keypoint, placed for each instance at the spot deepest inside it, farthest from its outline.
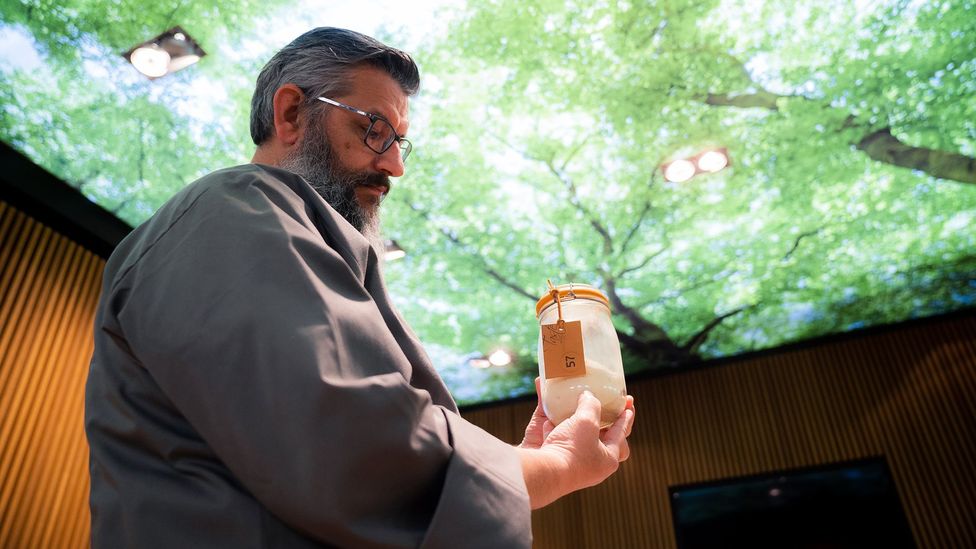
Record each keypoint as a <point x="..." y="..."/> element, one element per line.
<point x="588" y="408"/>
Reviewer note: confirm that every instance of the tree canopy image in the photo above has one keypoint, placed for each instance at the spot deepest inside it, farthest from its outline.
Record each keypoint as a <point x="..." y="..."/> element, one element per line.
<point x="540" y="136"/>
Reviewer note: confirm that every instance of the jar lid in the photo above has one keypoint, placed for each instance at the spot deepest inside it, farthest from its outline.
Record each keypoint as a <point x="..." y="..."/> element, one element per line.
<point x="571" y="291"/>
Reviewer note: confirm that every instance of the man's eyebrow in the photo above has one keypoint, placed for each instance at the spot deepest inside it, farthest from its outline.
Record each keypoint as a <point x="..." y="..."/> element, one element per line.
<point x="377" y="112"/>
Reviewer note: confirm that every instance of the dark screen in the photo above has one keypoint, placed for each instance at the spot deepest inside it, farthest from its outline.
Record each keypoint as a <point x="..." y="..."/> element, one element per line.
<point x="851" y="505"/>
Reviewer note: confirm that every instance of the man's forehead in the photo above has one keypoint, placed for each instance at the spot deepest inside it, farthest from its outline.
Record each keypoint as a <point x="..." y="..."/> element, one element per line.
<point x="374" y="90"/>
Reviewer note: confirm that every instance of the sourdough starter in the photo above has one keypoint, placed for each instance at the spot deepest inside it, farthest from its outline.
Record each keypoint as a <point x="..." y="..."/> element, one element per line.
<point x="560" y="395"/>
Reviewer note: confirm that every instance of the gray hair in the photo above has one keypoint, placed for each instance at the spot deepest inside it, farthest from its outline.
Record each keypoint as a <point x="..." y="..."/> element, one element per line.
<point x="318" y="62"/>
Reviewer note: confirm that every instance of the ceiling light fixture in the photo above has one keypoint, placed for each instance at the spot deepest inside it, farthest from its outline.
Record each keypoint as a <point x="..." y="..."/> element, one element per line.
<point x="713" y="161"/>
<point x="480" y="363"/>
<point x="679" y="171"/>
<point x="393" y="250"/>
<point x="683" y="169"/>
<point x="169" y="52"/>
<point x="500" y="358"/>
<point x="150" y="60"/>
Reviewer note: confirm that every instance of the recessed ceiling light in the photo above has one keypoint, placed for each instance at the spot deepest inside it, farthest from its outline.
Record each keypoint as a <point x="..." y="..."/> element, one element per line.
<point x="713" y="161"/>
<point x="481" y="363"/>
<point x="679" y="171"/>
<point x="169" y="52"/>
<point x="393" y="250"/>
<point x="500" y="358"/>
<point x="150" y="60"/>
<point x="683" y="169"/>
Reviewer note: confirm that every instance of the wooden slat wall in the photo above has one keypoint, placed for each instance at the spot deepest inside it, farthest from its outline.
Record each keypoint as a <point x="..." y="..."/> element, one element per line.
<point x="48" y="291"/>
<point x="909" y="395"/>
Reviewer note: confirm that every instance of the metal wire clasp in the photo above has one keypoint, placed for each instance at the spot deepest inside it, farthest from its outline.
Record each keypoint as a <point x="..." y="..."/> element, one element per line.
<point x="560" y="324"/>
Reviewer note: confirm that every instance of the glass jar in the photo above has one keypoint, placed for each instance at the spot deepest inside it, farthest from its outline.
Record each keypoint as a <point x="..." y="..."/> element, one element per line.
<point x="598" y="368"/>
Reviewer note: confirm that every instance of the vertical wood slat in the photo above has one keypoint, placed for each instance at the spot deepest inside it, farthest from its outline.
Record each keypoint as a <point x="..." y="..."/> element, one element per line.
<point x="48" y="291"/>
<point x="908" y="394"/>
<point x="69" y="401"/>
<point x="38" y="390"/>
<point x="13" y="348"/>
<point x="77" y="447"/>
<point x="15" y="298"/>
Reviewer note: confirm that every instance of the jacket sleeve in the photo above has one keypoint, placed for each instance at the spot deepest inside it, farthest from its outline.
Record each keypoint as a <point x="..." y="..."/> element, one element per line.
<point x="265" y="340"/>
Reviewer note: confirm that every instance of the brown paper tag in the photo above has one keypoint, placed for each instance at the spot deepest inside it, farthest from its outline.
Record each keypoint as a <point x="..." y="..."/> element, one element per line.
<point x="562" y="352"/>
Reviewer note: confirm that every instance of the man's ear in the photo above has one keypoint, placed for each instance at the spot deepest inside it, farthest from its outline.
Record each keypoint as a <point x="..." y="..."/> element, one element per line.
<point x="287" y="102"/>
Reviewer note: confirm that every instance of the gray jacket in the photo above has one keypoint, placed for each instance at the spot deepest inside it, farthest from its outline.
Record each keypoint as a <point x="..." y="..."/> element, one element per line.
<point x="253" y="386"/>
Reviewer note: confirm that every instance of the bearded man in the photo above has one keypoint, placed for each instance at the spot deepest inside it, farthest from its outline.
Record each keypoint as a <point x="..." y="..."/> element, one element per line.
<point x="252" y="384"/>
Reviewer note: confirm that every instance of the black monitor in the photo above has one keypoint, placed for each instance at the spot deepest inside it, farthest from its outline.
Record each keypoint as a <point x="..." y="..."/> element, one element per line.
<point x="838" y="506"/>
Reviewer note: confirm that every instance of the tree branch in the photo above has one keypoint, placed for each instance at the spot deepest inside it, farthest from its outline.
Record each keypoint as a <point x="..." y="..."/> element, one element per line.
<point x="696" y="341"/>
<point x="761" y="99"/>
<point x="507" y="283"/>
<point x="642" y="264"/>
<point x="172" y="14"/>
<point x="575" y="201"/>
<point x="574" y="151"/>
<point x="643" y="330"/>
<point x="142" y="149"/>
<point x="633" y="229"/>
<point x="879" y="145"/>
<point x="488" y="269"/>
<point x="649" y="340"/>
<point x="882" y="146"/>
<point x="646" y="209"/>
<point x="86" y="180"/>
<point x="678" y="292"/>
<point x="796" y="243"/>
<point x="560" y="174"/>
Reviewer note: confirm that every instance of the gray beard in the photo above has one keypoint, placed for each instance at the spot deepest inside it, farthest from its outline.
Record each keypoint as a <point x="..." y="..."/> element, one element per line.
<point x="317" y="162"/>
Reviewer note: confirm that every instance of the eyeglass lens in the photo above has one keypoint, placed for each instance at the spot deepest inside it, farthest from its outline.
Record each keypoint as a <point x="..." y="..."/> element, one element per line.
<point x="381" y="135"/>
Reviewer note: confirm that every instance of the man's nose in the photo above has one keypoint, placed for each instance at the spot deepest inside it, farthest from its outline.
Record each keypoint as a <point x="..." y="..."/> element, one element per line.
<point x="390" y="162"/>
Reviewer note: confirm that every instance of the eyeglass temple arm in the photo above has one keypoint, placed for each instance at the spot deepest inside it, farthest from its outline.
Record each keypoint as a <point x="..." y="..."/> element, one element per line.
<point x="344" y="106"/>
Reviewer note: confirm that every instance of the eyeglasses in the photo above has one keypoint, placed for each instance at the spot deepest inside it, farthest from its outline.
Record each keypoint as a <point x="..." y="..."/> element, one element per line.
<point x="380" y="135"/>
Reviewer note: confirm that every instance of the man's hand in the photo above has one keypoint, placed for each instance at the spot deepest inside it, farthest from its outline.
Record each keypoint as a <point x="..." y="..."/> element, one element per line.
<point x="575" y="454"/>
<point x="539" y="425"/>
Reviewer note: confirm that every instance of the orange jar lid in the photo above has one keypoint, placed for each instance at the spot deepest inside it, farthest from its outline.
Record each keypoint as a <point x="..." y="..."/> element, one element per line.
<point x="569" y="292"/>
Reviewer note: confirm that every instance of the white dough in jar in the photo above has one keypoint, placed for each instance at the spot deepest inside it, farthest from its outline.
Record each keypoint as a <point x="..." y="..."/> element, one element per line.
<point x="560" y="395"/>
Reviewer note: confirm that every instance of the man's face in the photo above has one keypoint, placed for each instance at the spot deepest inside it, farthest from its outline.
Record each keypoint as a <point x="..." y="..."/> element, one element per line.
<point x="333" y="158"/>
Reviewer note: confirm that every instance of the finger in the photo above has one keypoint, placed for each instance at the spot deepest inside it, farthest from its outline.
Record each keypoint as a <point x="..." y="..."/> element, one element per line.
<point x="630" y="406"/>
<point x="588" y="408"/>
<point x="624" y="451"/>
<point x="616" y="434"/>
<point x="547" y="428"/>
<point x="538" y="412"/>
